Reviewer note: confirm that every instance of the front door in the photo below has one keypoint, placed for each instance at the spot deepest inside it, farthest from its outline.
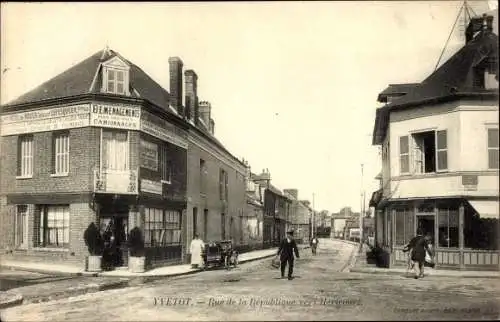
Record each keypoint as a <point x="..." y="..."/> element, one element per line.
<point x="425" y="225"/>
<point x="114" y="229"/>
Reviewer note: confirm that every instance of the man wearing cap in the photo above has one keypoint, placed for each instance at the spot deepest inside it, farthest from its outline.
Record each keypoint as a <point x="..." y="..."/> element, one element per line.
<point x="286" y="250"/>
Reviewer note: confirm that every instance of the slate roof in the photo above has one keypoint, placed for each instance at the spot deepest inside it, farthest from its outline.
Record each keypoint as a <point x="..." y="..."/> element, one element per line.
<point x="450" y="81"/>
<point x="79" y="79"/>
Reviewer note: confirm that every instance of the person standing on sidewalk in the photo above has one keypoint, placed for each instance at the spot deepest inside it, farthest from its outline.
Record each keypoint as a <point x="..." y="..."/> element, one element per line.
<point x="287" y="248"/>
<point x="196" y="250"/>
<point x="314" y="245"/>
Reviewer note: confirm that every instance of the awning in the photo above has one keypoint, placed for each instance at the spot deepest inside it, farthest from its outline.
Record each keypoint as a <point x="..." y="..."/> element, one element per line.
<point x="485" y="209"/>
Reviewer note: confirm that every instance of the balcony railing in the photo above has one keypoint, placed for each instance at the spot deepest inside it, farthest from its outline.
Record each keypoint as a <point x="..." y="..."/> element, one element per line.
<point x="116" y="181"/>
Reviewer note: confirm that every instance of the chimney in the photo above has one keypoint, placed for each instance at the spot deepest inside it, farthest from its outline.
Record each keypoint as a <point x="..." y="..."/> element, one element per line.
<point x="176" y="83"/>
<point x="191" y="98"/>
<point x="212" y="126"/>
<point x="205" y="110"/>
<point x="293" y="192"/>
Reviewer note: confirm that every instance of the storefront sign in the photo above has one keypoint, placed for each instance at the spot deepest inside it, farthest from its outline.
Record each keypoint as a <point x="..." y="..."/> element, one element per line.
<point x="115" y="116"/>
<point x="149" y="155"/>
<point x="163" y="130"/>
<point x="151" y="186"/>
<point x="470" y="182"/>
<point x="42" y="120"/>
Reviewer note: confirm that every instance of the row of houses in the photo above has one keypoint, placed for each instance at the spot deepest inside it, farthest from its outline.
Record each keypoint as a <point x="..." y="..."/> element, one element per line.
<point x="439" y="144"/>
<point x="103" y="142"/>
<point x="346" y="225"/>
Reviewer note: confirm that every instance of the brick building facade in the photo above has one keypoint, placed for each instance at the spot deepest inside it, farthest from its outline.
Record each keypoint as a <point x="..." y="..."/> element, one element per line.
<point x="102" y="142"/>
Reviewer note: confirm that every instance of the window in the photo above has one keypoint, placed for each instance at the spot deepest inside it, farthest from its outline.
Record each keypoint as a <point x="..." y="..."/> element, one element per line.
<point x="60" y="144"/>
<point x="430" y="151"/>
<point x="205" y="224"/>
<point x="21" y="233"/>
<point x="448" y="227"/>
<point x="166" y="165"/>
<point x="203" y="172"/>
<point x="149" y="155"/>
<point x="25" y="156"/>
<point x="480" y="232"/>
<point x="195" y="221"/>
<point x="492" y="148"/>
<point x="116" y="81"/>
<point x="223" y="184"/>
<point x="161" y="227"/>
<point x="404" y="157"/>
<point x="53" y="226"/>
<point x="223" y="226"/>
<point x="115" y="149"/>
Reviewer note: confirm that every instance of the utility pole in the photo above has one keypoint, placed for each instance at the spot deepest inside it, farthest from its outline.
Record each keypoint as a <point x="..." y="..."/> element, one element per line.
<point x="362" y="210"/>
<point x="314" y="218"/>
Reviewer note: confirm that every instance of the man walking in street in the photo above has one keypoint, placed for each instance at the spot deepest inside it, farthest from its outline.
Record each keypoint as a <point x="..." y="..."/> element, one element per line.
<point x="314" y="245"/>
<point x="418" y="247"/>
<point x="286" y="250"/>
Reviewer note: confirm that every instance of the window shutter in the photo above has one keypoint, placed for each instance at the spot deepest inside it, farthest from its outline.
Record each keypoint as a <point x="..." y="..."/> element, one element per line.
<point x="442" y="150"/>
<point x="53" y="153"/>
<point x="404" y="158"/>
<point x="19" y="155"/>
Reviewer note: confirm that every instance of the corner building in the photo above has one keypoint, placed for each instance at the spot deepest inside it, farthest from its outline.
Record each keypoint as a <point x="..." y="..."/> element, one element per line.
<point x="104" y="142"/>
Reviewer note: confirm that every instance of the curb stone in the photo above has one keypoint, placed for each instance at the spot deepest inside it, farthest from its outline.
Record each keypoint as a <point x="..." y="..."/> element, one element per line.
<point x="392" y="272"/>
<point x="10" y="299"/>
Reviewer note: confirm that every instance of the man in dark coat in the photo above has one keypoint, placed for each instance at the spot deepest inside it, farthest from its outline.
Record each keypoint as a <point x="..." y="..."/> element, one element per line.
<point x="418" y="246"/>
<point x="286" y="250"/>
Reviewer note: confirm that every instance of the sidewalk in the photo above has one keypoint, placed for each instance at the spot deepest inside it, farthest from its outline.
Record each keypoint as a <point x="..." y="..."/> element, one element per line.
<point x="359" y="265"/>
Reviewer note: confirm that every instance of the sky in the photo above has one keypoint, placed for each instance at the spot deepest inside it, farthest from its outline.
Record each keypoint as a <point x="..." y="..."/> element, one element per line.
<point x="293" y="85"/>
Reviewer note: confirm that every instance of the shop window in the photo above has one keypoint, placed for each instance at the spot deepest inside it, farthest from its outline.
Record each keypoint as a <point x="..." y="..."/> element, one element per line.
<point x="52" y="225"/>
<point x="448" y="227"/>
<point x="480" y="233"/>
<point x="404" y="226"/>
<point x="161" y="227"/>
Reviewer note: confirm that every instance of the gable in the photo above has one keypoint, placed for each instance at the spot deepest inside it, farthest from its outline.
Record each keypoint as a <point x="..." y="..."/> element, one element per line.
<point x="116" y="62"/>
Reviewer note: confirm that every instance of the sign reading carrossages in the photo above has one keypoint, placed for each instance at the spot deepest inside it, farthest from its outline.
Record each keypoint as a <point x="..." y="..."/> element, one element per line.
<point x="115" y="116"/>
<point x="42" y="120"/>
<point x="163" y="130"/>
<point x="149" y="155"/>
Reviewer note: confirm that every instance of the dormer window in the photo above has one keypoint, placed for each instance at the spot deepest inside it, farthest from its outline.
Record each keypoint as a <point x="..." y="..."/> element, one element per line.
<point x="115" y="77"/>
<point x="115" y="83"/>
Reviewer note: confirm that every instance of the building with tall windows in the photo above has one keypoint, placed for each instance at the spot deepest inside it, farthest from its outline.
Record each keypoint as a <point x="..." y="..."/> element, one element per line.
<point x="439" y="143"/>
<point x="103" y="142"/>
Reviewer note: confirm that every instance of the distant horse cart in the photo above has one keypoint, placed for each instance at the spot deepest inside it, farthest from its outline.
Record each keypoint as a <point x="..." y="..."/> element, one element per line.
<point x="220" y="254"/>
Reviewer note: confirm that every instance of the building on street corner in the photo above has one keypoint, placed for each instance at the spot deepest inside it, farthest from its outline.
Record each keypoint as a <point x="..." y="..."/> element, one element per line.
<point x="103" y="142"/>
<point x="439" y="142"/>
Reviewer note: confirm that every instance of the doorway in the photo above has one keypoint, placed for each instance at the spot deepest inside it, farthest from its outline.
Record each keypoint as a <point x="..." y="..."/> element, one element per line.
<point x="114" y="229"/>
<point x="425" y="225"/>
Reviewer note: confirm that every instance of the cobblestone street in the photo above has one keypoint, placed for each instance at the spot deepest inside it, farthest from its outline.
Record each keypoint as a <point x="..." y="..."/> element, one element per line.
<point x="254" y="292"/>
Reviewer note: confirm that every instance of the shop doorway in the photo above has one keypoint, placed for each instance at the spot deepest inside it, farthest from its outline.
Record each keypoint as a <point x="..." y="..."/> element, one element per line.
<point x="114" y="229"/>
<point x="425" y="224"/>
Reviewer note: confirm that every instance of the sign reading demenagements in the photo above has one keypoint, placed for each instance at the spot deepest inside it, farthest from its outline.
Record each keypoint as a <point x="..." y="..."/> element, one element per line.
<point x="163" y="130"/>
<point x="151" y="186"/>
<point x="115" y="116"/>
<point x="50" y="119"/>
<point x="149" y="155"/>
